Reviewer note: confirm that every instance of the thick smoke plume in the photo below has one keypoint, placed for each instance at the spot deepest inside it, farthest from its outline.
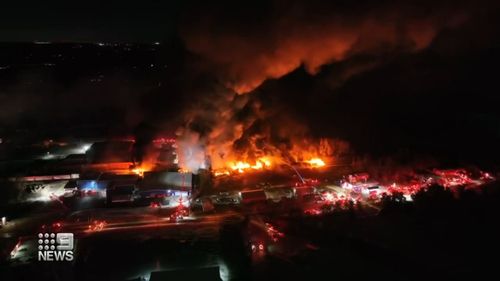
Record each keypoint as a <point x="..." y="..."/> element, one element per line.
<point x="226" y="128"/>
<point x="246" y="45"/>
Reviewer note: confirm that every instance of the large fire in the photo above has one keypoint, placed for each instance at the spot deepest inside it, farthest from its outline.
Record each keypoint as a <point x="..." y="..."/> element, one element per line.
<point x="240" y="166"/>
<point x="261" y="164"/>
<point x="316" y="162"/>
<point x="142" y="168"/>
<point x="138" y="171"/>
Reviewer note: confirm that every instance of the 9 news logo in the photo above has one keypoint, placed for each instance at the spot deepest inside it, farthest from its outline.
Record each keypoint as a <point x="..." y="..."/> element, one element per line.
<point x="55" y="246"/>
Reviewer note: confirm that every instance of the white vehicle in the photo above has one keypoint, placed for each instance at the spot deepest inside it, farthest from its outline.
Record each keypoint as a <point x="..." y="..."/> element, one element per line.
<point x="24" y="251"/>
<point x="370" y="190"/>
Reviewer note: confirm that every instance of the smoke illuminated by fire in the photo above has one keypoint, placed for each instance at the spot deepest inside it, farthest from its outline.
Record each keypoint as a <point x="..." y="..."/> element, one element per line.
<point x="309" y="34"/>
<point x="228" y="132"/>
<point x="226" y="162"/>
<point x="225" y="157"/>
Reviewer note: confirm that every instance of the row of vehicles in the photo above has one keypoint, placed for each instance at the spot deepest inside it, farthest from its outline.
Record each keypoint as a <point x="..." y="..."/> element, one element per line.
<point x="132" y="189"/>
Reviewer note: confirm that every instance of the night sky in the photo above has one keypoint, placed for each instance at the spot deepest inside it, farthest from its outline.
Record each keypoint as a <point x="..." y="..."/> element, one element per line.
<point x="89" y="21"/>
<point x="393" y="78"/>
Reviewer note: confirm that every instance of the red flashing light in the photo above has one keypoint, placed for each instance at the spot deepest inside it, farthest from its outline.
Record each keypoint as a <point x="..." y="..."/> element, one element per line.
<point x="97" y="225"/>
<point x="329" y="197"/>
<point x="312" y="212"/>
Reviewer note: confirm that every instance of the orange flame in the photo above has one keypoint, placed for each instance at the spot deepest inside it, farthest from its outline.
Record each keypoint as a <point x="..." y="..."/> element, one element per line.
<point x="222" y="173"/>
<point x="138" y="171"/>
<point x="316" y="162"/>
<point x="241" y="166"/>
<point x="260" y="164"/>
<point x="144" y="167"/>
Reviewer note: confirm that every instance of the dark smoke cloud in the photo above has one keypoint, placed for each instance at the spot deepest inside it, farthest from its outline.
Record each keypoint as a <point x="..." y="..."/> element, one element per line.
<point x="392" y="77"/>
<point x="415" y="74"/>
<point x="247" y="43"/>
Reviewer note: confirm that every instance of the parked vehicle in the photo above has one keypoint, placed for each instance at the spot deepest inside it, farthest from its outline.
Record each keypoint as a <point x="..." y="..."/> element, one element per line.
<point x="121" y="194"/>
